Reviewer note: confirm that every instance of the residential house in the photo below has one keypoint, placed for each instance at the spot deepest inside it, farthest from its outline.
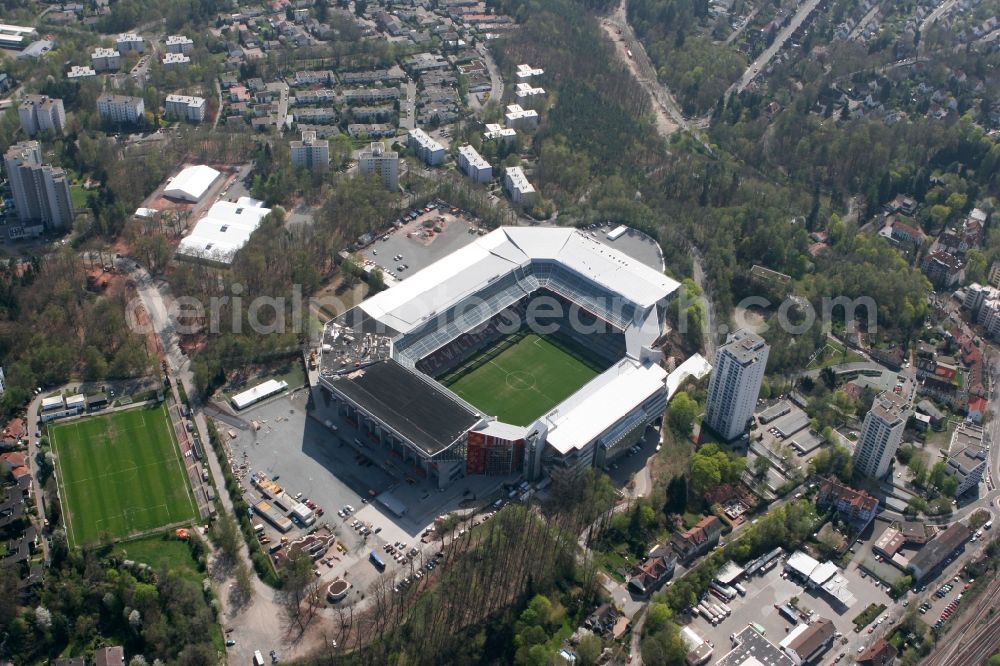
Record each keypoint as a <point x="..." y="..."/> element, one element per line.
<point x="698" y="540"/>
<point x="943" y="269"/>
<point x="855" y="507"/>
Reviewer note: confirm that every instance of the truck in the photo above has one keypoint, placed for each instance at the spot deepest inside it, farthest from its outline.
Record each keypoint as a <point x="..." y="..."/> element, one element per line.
<point x="988" y="525"/>
<point x="258" y="658"/>
<point x="739" y="588"/>
<point x="705" y="613"/>
<point x="725" y="591"/>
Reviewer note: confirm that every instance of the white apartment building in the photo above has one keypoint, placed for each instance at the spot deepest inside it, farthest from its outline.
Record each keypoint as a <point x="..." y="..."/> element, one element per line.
<point x="519" y="118"/>
<point x="381" y="161"/>
<point x="40" y="113"/>
<point x="527" y="71"/>
<point x="106" y="60"/>
<point x="130" y="41"/>
<point x="967" y="456"/>
<point x="496" y="132"/>
<point x="185" y="107"/>
<point x="81" y="72"/>
<point x="528" y="95"/>
<point x="474" y="165"/>
<point x="170" y="59"/>
<point x="517" y="186"/>
<point x="983" y="304"/>
<point x="428" y="150"/>
<point x="880" y="435"/>
<point x="120" y="108"/>
<point x="41" y="193"/>
<point x="311" y="153"/>
<point x="179" y="44"/>
<point x="735" y="384"/>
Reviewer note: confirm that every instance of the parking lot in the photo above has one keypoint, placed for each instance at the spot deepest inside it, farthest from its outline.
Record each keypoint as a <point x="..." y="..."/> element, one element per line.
<point x="771" y="589"/>
<point x="416" y="251"/>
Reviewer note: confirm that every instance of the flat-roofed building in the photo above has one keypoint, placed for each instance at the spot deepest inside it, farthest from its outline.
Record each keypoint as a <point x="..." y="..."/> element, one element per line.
<point x="517" y="117"/>
<point x="41" y="192"/>
<point x="967" y="456"/>
<point x="881" y="434"/>
<point x="129" y="42"/>
<point x="474" y="165"/>
<point x="735" y="384"/>
<point x="106" y="60"/>
<point x="185" y="107"/>
<point x="381" y="161"/>
<point x="311" y="153"/>
<point x="179" y="44"/>
<point x="41" y="113"/>
<point x="173" y="59"/>
<point x="81" y="72"/>
<point x="120" y="109"/>
<point x="428" y="150"/>
<point x="499" y="133"/>
<point x="527" y="71"/>
<point x="528" y="95"/>
<point x="191" y="183"/>
<point x="516" y="184"/>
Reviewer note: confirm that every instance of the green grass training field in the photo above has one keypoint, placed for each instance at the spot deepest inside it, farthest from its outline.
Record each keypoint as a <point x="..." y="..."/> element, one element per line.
<point x="521" y="377"/>
<point x="120" y="473"/>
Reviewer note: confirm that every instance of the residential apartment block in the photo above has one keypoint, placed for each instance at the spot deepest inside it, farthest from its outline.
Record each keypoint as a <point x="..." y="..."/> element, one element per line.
<point x="527" y="71"/>
<point x="129" y="42"/>
<point x="172" y="59"/>
<point x="967" y="456"/>
<point x="40" y="113"/>
<point x="427" y="149"/>
<point x="528" y="95"/>
<point x="41" y="193"/>
<point x="179" y="44"/>
<point x="519" y="118"/>
<point x="517" y="186"/>
<point x="855" y="507"/>
<point x="381" y="161"/>
<point x="185" y="107"/>
<point x="698" y="540"/>
<point x="474" y="165"/>
<point x="735" y="384"/>
<point x="311" y="153"/>
<point x="81" y="72"/>
<point x="880" y="434"/>
<point x="106" y="60"/>
<point x="120" y="108"/>
<point x="496" y="132"/>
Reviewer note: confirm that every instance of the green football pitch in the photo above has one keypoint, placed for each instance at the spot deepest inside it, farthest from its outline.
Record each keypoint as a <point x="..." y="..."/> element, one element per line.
<point x="120" y="474"/>
<point x="521" y="377"/>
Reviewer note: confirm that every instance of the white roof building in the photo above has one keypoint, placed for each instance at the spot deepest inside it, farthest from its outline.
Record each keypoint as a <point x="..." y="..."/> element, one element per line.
<point x="516" y="183"/>
<point x="191" y="183"/>
<point x="226" y="228"/>
<point x="80" y="72"/>
<point x="175" y="59"/>
<point x="495" y="131"/>
<point x="527" y="71"/>
<point x="258" y="393"/>
<point x="589" y="412"/>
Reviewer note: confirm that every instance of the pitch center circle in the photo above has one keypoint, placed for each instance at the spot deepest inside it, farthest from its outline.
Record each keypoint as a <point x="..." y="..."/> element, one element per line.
<point x="521" y="381"/>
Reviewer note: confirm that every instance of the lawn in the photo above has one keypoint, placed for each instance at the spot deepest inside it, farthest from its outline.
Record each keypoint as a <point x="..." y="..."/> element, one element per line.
<point x="78" y="195"/>
<point x="166" y="550"/>
<point x="120" y="474"/>
<point x="834" y="353"/>
<point x="521" y="377"/>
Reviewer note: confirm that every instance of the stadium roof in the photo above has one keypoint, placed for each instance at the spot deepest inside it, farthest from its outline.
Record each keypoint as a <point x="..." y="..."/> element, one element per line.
<point x="226" y="227"/>
<point x="471" y="268"/>
<point x="602" y="402"/>
<point x="420" y="411"/>
<point x="191" y="183"/>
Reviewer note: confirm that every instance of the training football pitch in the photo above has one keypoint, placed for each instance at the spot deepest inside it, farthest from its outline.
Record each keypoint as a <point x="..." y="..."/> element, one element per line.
<point x="521" y="377"/>
<point x="120" y="474"/>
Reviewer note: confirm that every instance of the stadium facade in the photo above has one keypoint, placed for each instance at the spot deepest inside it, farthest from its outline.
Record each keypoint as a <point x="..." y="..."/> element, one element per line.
<point x="380" y="360"/>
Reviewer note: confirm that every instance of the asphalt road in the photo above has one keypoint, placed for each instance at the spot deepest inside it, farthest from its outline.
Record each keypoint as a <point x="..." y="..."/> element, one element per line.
<point x="764" y="58"/>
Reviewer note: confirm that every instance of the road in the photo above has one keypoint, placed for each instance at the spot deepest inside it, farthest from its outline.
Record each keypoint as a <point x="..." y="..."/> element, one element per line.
<point x="936" y="14"/>
<point x="805" y="9"/>
<point x="496" y="81"/>
<point x="408" y="119"/>
<point x="668" y="114"/>
<point x="743" y="26"/>
<point x="865" y="20"/>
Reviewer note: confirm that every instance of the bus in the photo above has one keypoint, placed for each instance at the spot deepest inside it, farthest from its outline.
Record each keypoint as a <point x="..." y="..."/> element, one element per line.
<point x="377" y="561"/>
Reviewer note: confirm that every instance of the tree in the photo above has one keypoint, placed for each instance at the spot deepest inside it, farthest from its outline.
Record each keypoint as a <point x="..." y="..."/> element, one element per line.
<point x="656" y="618"/>
<point x="682" y="413"/>
<point x="588" y="651"/>
<point x="705" y="474"/>
<point x="760" y="467"/>
<point x="677" y="495"/>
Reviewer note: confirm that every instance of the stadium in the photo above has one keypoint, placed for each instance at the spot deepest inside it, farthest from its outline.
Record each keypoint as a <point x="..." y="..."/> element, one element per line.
<point x="529" y="349"/>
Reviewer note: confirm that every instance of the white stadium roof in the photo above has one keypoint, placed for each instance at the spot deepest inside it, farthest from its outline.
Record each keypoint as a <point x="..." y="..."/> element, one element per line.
<point x="191" y="183"/>
<point x="225" y="228"/>
<point x="498" y="253"/>
<point x="589" y="412"/>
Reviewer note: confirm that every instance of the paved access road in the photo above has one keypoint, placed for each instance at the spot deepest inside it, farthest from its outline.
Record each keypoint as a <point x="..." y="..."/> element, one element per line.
<point x="805" y="9"/>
